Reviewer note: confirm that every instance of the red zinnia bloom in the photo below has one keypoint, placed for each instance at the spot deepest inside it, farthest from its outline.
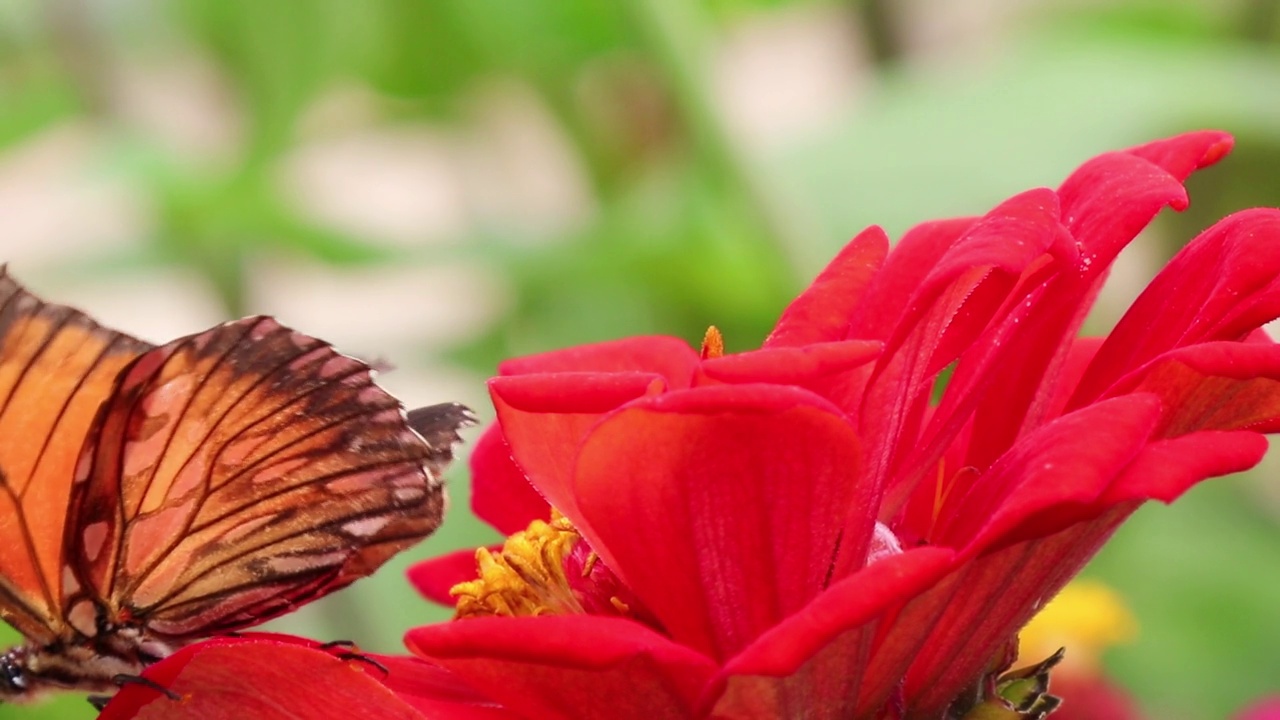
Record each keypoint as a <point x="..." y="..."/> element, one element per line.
<point x="801" y="530"/>
<point x="804" y="530"/>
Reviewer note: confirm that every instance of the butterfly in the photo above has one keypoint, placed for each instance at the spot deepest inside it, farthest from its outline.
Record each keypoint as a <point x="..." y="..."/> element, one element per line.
<point x="154" y="496"/>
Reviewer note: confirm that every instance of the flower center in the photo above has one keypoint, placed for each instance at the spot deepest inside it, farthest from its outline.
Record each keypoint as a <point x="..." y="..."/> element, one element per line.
<point x="547" y="569"/>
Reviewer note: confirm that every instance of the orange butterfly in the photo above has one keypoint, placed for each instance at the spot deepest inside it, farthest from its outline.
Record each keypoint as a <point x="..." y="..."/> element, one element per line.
<point x="152" y="496"/>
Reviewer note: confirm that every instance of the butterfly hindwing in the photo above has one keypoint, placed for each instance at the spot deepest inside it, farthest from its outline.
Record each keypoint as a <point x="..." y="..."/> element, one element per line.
<point x="240" y="472"/>
<point x="57" y="366"/>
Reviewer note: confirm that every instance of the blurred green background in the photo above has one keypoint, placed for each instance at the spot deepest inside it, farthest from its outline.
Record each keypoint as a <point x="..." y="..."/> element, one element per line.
<point x="444" y="183"/>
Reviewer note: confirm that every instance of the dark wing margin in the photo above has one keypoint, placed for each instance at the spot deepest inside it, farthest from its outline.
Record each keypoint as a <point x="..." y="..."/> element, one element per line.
<point x="439" y="426"/>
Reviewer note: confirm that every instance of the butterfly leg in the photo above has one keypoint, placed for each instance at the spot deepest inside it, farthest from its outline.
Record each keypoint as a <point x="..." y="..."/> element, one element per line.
<point x="349" y="644"/>
<point x="352" y="653"/>
<point x="364" y="659"/>
<point x="122" y="680"/>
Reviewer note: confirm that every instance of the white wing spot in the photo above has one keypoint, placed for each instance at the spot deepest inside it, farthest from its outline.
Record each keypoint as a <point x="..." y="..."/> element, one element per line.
<point x="366" y="527"/>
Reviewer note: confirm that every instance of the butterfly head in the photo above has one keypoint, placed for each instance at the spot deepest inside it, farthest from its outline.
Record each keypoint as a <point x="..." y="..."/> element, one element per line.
<point x="15" y="681"/>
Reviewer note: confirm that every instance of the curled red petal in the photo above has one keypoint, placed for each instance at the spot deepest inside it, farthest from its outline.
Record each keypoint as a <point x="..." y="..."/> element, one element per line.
<point x="544" y="418"/>
<point x="668" y="357"/>
<point x="953" y="305"/>
<point x="1168" y="468"/>
<point x="784" y="365"/>
<point x="1183" y="154"/>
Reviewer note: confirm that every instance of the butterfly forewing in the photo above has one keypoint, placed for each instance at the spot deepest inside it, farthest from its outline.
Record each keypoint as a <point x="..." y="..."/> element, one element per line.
<point x="56" y="368"/>
<point x="240" y="472"/>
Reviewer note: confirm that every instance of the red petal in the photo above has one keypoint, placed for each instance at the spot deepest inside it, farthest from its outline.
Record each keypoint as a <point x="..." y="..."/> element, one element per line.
<point x="1168" y="468"/>
<point x="1215" y="386"/>
<point x="573" y="667"/>
<point x="1109" y="199"/>
<point x="735" y="500"/>
<point x="1219" y="287"/>
<point x="846" y="605"/>
<point x="1067" y="463"/>
<point x="545" y="417"/>
<point x="791" y="365"/>
<point x="823" y="311"/>
<point x="436" y="692"/>
<point x="669" y="357"/>
<point x="1105" y="204"/>
<point x="500" y="493"/>
<point x="915" y="255"/>
<point x="982" y="607"/>
<point x="953" y="305"/>
<point x="434" y="578"/>
<point x="816" y="658"/>
<point x="1183" y="154"/>
<point x="259" y="676"/>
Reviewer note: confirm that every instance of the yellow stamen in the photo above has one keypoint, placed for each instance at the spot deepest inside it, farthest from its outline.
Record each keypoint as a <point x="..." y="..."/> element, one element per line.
<point x="526" y="577"/>
<point x="712" y="343"/>
<point x="1086" y="618"/>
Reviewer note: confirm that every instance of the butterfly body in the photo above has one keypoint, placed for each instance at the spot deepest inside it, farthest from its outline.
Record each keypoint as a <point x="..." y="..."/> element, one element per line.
<point x="154" y="496"/>
<point x="86" y="664"/>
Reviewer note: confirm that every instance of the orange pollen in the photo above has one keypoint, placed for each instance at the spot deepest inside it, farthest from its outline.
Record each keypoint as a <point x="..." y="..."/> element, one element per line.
<point x="712" y="343"/>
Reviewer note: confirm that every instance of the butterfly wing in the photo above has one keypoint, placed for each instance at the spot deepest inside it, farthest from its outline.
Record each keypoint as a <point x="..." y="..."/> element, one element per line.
<point x="439" y="425"/>
<point x="57" y="367"/>
<point x="240" y="472"/>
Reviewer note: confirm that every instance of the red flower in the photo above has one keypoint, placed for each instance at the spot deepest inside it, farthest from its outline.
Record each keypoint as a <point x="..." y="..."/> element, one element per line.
<point x="802" y="530"/>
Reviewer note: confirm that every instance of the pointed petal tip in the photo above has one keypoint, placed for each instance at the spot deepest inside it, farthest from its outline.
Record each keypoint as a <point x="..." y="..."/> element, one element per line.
<point x="1183" y="154"/>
